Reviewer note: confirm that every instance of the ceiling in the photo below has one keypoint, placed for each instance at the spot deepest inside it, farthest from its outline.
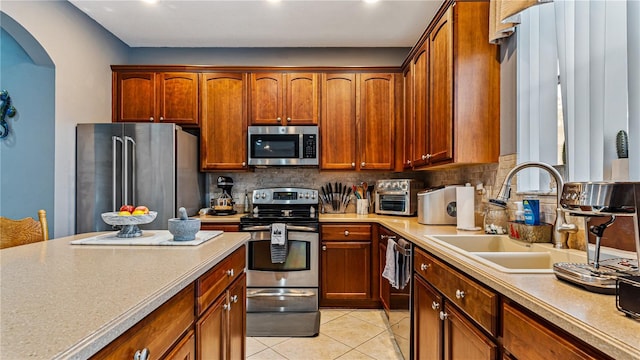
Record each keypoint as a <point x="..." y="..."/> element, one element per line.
<point x="250" y="23"/>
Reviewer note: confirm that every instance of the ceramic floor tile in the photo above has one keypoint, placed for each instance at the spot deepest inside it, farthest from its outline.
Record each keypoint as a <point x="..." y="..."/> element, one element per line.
<point x="381" y="347"/>
<point x="327" y="315"/>
<point x="321" y="347"/>
<point x="267" y="354"/>
<point x="355" y="355"/>
<point x="270" y="341"/>
<point x="396" y="316"/>
<point x="375" y="317"/>
<point x="402" y="328"/>
<point x="253" y="346"/>
<point x="350" y="330"/>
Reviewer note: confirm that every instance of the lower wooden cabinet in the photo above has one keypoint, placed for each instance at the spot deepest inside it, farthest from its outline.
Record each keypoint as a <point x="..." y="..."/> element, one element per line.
<point x="186" y="348"/>
<point x="347" y="267"/>
<point x="462" y="339"/>
<point x="428" y="328"/>
<point x="223" y="227"/>
<point x="521" y="331"/>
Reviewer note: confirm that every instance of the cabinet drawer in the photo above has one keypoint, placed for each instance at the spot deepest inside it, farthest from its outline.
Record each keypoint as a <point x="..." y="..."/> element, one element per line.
<point x="223" y="227"/>
<point x="520" y="331"/>
<point x="157" y="332"/>
<point x="210" y="285"/>
<point x="345" y="232"/>
<point x="475" y="300"/>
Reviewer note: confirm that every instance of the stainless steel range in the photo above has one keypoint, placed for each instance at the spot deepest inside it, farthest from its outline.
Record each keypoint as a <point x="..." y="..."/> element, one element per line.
<point x="282" y="263"/>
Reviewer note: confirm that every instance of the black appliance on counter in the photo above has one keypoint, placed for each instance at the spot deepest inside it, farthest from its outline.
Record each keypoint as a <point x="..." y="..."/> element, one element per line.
<point x="282" y="296"/>
<point x="223" y="205"/>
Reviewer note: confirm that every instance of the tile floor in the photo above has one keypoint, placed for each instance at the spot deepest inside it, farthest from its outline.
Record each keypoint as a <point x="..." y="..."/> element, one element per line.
<point x="344" y="334"/>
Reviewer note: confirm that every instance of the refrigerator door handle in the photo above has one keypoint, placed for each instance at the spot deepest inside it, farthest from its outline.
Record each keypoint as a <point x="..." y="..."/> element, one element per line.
<point x="133" y="169"/>
<point x="114" y="141"/>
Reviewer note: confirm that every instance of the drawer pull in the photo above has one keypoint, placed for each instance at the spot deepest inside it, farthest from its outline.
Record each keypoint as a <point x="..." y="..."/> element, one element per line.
<point x="435" y="305"/>
<point x="459" y="294"/>
<point x="226" y="307"/>
<point x="230" y="272"/>
<point x="443" y="315"/>
<point x="424" y="266"/>
<point x="324" y="247"/>
<point x="141" y="354"/>
<point x="346" y="233"/>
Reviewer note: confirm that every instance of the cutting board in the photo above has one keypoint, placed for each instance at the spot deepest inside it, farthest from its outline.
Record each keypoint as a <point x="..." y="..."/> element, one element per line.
<point x="149" y="237"/>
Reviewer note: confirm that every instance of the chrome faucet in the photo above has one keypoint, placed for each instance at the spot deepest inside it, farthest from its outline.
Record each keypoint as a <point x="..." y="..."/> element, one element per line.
<point x="561" y="228"/>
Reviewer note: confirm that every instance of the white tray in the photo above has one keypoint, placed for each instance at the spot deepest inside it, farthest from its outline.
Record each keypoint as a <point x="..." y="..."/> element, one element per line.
<point x="149" y="237"/>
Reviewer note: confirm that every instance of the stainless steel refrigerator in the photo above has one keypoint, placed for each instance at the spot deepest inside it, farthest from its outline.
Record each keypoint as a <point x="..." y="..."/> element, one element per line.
<point x="155" y="165"/>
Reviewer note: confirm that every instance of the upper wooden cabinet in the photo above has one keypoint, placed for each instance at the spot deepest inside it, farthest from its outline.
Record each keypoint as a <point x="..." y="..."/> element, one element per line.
<point x="456" y="84"/>
<point x="284" y="98"/>
<point x="148" y="96"/>
<point x="338" y="126"/>
<point x="376" y="142"/>
<point x="223" y="128"/>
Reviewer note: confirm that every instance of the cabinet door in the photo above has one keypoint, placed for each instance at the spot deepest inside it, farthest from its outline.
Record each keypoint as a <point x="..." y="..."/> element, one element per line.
<point x="301" y="106"/>
<point x="223" y="140"/>
<point x="420" y="65"/>
<point x="463" y="340"/>
<point x="346" y="270"/>
<point x="376" y="127"/>
<point x="338" y="125"/>
<point x="185" y="350"/>
<point x="441" y="90"/>
<point x="267" y="95"/>
<point x="428" y="328"/>
<point x="178" y="99"/>
<point x="135" y="97"/>
<point x="408" y="112"/>
<point x="211" y="330"/>
<point x="237" y="318"/>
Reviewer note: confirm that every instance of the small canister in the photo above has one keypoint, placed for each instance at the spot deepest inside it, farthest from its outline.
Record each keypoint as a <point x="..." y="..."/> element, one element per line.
<point x="496" y="219"/>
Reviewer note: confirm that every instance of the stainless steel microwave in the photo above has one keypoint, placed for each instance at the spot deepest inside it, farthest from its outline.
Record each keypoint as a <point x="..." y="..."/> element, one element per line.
<point x="282" y="145"/>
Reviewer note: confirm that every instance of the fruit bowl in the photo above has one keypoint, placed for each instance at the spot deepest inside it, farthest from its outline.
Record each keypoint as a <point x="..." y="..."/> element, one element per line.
<point x="129" y="223"/>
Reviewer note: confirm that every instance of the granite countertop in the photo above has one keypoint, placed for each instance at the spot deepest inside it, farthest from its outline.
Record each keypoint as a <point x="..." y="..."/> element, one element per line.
<point x="68" y="301"/>
<point x="589" y="316"/>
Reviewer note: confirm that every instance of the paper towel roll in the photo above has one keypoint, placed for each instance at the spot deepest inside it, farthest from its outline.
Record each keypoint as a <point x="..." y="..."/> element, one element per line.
<point x="465" y="208"/>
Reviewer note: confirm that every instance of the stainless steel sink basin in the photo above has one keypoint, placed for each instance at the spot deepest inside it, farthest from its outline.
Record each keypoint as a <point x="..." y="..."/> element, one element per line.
<point x="508" y="255"/>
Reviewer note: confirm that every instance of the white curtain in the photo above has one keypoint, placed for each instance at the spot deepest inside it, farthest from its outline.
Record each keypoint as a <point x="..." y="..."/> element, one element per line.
<point x="537" y="93"/>
<point x="592" y="51"/>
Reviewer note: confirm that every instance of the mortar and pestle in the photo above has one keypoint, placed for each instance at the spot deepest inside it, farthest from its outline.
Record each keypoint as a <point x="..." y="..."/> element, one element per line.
<point x="183" y="228"/>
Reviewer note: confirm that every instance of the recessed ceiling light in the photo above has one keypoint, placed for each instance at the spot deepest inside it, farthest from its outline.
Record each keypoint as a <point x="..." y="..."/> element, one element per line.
<point x="150" y="1"/>
<point x="370" y="1"/>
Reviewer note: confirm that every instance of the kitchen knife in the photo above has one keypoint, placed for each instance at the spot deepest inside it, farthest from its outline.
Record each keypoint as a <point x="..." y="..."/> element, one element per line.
<point x="330" y="195"/>
<point x="325" y="199"/>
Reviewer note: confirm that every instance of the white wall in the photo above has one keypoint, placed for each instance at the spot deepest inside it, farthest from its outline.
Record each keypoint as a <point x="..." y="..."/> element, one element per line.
<point x="82" y="52"/>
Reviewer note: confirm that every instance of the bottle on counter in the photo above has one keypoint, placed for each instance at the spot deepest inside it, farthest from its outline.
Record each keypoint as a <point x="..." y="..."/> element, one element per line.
<point x="246" y="202"/>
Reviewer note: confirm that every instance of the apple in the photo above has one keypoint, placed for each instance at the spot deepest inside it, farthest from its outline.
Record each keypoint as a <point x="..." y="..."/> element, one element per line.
<point x="124" y="213"/>
<point x="127" y="208"/>
<point x="141" y="210"/>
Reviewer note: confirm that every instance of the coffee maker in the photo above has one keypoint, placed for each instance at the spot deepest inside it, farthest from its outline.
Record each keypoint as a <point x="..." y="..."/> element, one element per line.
<point x="601" y="205"/>
<point x="223" y="205"/>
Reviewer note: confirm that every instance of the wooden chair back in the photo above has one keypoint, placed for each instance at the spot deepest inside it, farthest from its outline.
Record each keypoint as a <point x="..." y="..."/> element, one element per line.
<point x="24" y="231"/>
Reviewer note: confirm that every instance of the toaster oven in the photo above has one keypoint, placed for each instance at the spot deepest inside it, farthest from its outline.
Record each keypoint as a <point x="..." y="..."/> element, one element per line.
<point x="397" y="197"/>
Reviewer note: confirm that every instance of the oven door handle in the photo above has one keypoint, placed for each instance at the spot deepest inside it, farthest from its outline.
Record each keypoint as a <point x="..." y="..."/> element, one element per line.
<point x="301" y="228"/>
<point x="271" y="293"/>
<point x="257" y="228"/>
<point x="289" y="228"/>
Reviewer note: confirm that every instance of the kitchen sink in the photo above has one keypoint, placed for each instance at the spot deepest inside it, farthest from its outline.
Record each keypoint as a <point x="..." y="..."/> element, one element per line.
<point x="512" y="256"/>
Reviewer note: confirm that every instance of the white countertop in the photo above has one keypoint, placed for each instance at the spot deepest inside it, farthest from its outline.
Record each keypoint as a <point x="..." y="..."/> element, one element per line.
<point x="68" y="301"/>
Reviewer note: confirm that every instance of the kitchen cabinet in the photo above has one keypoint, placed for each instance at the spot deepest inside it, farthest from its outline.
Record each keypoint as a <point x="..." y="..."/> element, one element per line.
<point x="391" y="298"/>
<point x="408" y="119"/>
<point x="150" y="96"/>
<point x="284" y="98"/>
<point x="157" y="332"/>
<point x="456" y="77"/>
<point x="467" y="310"/>
<point x="346" y="266"/>
<point x="521" y="329"/>
<point x="223" y="128"/>
<point x="186" y="348"/>
<point x="221" y="310"/>
<point x="222" y="227"/>
<point x="338" y="126"/>
<point x="358" y="127"/>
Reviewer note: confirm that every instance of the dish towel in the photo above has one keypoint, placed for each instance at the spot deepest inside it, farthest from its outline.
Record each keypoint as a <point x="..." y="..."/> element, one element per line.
<point x="403" y="263"/>
<point x="389" y="271"/>
<point x="279" y="244"/>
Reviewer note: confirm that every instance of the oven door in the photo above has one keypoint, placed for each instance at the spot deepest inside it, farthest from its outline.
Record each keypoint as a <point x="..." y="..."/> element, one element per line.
<point x="299" y="270"/>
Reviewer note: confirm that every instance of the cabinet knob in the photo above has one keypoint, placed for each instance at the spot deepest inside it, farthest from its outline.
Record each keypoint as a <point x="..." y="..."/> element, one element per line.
<point x="424" y="266"/>
<point x="151" y="119"/>
<point x="279" y="119"/>
<point x="353" y="164"/>
<point x="244" y="163"/>
<point x="435" y="305"/>
<point x="324" y="248"/>
<point x="362" y="164"/>
<point x="161" y="118"/>
<point x="234" y="298"/>
<point x="443" y="315"/>
<point x="288" y="119"/>
<point x="408" y="162"/>
<point x="346" y="233"/>
<point x="230" y="272"/>
<point x="226" y="307"/>
<point x="460" y="294"/>
<point x="429" y="156"/>
<point x="141" y="354"/>
<point x="424" y="157"/>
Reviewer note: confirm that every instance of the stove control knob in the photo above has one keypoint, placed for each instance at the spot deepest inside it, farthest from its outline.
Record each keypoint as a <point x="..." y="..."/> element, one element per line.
<point x="306" y="196"/>
<point x="256" y="196"/>
<point x="404" y="185"/>
<point x="313" y="195"/>
<point x="264" y="195"/>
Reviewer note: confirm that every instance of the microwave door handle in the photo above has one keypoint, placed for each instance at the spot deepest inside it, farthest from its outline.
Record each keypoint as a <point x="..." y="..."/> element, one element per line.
<point x="114" y="162"/>
<point x="133" y="169"/>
